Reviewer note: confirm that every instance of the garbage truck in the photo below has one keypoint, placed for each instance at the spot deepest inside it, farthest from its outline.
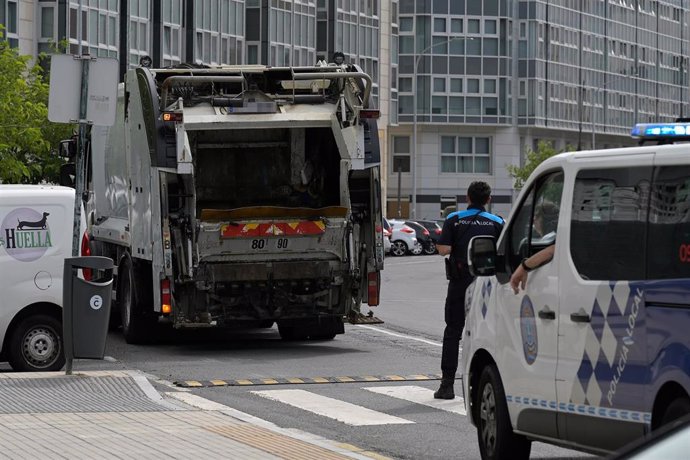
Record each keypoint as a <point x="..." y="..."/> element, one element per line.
<point x="239" y="196"/>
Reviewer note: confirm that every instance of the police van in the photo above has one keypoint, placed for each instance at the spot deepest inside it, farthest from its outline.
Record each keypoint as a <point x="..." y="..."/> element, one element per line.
<point x="595" y="351"/>
<point x="35" y="237"/>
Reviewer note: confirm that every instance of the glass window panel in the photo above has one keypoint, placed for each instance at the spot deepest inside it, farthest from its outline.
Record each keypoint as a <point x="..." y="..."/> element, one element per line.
<point x="93" y="26"/>
<point x="440" y="45"/>
<point x="112" y="32"/>
<point x="481" y="145"/>
<point x="490" y="86"/>
<point x="439" y="24"/>
<point x="176" y="12"/>
<point x="465" y="164"/>
<point x="401" y="144"/>
<point x="464" y="145"/>
<point x="456" y="105"/>
<point x="456" y="26"/>
<point x="481" y="165"/>
<point x="407" y="45"/>
<point x="456" y="85"/>
<point x="405" y="104"/>
<point x="167" y="13"/>
<point x="474" y="46"/>
<point x="439" y="105"/>
<point x="406" y="84"/>
<point x="473" y="26"/>
<point x="448" y="164"/>
<point x="447" y="144"/>
<point x="406" y="24"/>
<point x="490" y="47"/>
<point x="489" y="26"/>
<point x="440" y="85"/>
<point x="47" y="22"/>
<point x="472" y="85"/>
<point x="167" y="41"/>
<point x="143" y="8"/>
<point x="401" y="163"/>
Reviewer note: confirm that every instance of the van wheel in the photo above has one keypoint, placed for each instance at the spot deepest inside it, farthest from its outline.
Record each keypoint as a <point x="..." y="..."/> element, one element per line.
<point x="36" y="345"/>
<point x="137" y="325"/>
<point x="678" y="408"/>
<point x="494" y="431"/>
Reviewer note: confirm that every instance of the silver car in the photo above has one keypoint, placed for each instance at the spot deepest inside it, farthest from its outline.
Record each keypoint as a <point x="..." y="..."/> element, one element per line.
<point x="403" y="239"/>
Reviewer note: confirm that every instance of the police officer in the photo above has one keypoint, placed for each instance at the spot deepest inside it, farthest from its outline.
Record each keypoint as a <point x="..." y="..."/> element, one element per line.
<point x="458" y="230"/>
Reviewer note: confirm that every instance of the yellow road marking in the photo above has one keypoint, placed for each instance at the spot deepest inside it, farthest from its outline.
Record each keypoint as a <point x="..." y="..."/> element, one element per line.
<point x="345" y="379"/>
<point x="293" y="380"/>
<point x="320" y="380"/>
<point x="269" y="381"/>
<point x="219" y="382"/>
<point x="244" y="382"/>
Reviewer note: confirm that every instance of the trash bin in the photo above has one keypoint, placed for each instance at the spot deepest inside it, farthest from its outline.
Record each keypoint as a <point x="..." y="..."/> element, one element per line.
<point x="86" y="307"/>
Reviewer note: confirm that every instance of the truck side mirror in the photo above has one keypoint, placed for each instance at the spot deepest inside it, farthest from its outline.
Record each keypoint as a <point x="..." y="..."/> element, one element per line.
<point x="481" y="256"/>
<point x="67" y="149"/>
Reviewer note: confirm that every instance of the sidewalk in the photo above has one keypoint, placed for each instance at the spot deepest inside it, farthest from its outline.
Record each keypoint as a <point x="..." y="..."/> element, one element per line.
<point x="119" y="414"/>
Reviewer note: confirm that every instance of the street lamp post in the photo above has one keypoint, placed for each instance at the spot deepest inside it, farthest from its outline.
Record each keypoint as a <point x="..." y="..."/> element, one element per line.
<point x="603" y="104"/>
<point x="413" y="211"/>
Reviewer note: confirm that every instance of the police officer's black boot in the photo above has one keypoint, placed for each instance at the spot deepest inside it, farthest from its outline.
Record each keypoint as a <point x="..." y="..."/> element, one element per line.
<point x="445" y="391"/>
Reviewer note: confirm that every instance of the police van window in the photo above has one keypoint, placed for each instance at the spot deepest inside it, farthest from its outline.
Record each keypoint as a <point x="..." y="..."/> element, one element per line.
<point x="669" y="224"/>
<point x="535" y="224"/>
<point x="609" y="217"/>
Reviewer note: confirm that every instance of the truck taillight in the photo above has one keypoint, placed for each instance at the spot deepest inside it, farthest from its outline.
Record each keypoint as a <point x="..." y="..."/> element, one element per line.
<point x="369" y="113"/>
<point x="172" y="116"/>
<point x="373" y="288"/>
<point x="166" y="297"/>
<point x="85" y="252"/>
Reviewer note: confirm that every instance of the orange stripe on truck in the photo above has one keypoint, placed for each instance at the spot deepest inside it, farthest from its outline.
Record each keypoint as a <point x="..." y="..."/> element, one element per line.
<point x="273" y="228"/>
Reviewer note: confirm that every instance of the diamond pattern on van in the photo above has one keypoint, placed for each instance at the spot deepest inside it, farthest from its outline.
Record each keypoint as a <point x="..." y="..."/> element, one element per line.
<point x="609" y="344"/>
<point x="605" y="331"/>
<point x="486" y="293"/>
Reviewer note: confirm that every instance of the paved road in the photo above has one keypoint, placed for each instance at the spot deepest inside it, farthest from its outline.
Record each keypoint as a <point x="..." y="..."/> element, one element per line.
<point x="395" y="418"/>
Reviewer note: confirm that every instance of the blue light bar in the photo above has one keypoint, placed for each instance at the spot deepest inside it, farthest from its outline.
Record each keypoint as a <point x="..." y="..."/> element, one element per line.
<point x="661" y="131"/>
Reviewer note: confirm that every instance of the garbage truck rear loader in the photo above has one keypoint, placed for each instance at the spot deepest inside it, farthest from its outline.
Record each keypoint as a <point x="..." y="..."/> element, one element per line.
<point x="240" y="196"/>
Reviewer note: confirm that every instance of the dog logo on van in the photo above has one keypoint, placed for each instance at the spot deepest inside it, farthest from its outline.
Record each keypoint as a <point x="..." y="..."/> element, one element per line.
<point x="25" y="234"/>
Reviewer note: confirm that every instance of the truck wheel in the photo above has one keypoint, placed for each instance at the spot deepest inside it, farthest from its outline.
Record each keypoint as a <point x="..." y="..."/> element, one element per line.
<point x="137" y="326"/>
<point x="36" y="345"/>
<point x="398" y="248"/>
<point x="678" y="408"/>
<point x="494" y="431"/>
<point x="292" y="332"/>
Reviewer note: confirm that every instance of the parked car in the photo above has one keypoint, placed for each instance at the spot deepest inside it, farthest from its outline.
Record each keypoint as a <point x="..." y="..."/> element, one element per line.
<point x="387" y="233"/>
<point x="434" y="231"/>
<point x="403" y="239"/>
<point x="423" y="236"/>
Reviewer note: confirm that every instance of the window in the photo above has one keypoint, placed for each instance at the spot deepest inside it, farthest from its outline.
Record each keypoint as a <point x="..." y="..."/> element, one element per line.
<point x="534" y="226"/>
<point x="401" y="154"/>
<point x="439" y="85"/>
<point x="669" y="224"/>
<point x="465" y="154"/>
<point x="608" y="219"/>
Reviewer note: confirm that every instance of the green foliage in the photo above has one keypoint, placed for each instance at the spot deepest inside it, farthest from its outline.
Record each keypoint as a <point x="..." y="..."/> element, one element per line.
<point x="534" y="158"/>
<point x="26" y="135"/>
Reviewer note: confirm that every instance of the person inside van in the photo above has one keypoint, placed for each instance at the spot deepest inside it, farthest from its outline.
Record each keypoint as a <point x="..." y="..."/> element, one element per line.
<point x="543" y="232"/>
<point x="519" y="277"/>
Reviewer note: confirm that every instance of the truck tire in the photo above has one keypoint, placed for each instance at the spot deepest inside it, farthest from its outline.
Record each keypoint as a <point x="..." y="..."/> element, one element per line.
<point x="292" y="332"/>
<point x="137" y="323"/>
<point x="36" y="345"/>
<point x="494" y="431"/>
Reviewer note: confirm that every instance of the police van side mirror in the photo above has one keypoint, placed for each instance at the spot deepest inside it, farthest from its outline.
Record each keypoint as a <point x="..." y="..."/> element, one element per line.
<point x="481" y="256"/>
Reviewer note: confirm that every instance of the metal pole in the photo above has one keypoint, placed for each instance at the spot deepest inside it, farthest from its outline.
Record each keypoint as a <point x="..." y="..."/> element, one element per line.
<point x="413" y="210"/>
<point x="81" y="152"/>
<point x="399" y="187"/>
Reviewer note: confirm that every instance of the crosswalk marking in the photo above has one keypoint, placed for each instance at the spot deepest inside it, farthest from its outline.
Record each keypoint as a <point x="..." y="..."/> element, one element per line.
<point x="420" y="395"/>
<point x="347" y="413"/>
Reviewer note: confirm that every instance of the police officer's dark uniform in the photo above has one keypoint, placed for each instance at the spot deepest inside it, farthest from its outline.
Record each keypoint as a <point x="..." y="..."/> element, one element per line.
<point x="458" y="229"/>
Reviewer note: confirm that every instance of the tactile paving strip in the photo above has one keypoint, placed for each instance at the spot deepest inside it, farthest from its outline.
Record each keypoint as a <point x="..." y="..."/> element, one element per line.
<point x="74" y="394"/>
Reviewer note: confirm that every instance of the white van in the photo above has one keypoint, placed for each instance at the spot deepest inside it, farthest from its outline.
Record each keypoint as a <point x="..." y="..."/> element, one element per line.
<point x="595" y="352"/>
<point x="35" y="238"/>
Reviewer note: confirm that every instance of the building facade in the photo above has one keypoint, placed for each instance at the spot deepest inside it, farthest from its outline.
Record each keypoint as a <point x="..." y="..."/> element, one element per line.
<point x="475" y="83"/>
<point x="491" y="78"/>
